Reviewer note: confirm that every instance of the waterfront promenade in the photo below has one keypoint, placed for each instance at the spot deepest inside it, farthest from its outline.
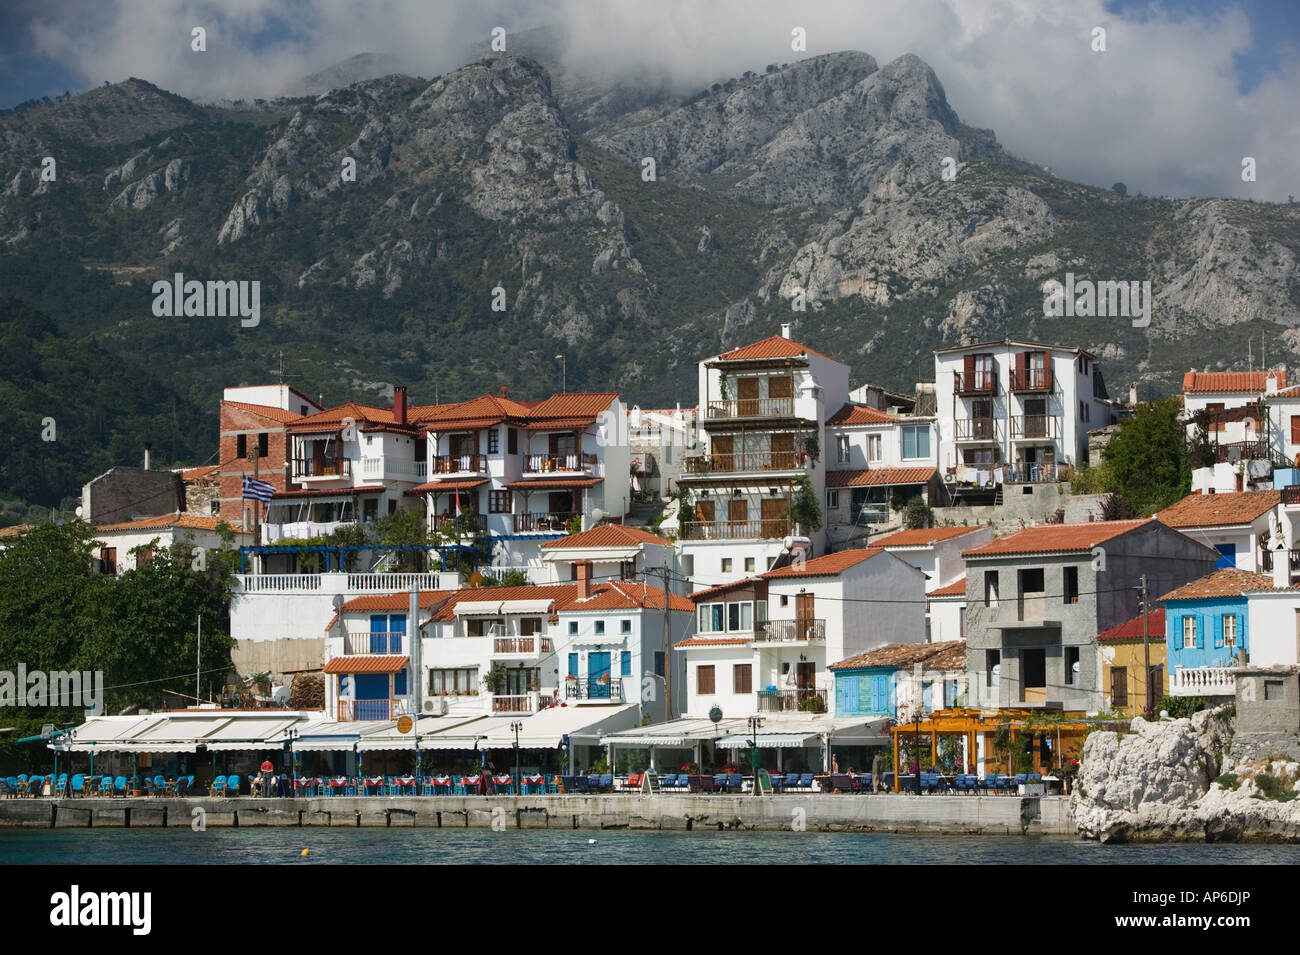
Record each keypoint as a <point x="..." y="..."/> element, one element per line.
<point x="994" y="815"/>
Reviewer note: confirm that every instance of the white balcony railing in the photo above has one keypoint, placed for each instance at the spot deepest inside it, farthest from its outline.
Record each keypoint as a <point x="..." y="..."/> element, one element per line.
<point x="391" y="583"/>
<point x="1203" y="681"/>
<point x="280" y="583"/>
<point x="380" y="469"/>
<point x="313" y="583"/>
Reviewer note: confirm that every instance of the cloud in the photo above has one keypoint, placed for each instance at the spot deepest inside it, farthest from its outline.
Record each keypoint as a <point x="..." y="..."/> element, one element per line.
<point x="1159" y="110"/>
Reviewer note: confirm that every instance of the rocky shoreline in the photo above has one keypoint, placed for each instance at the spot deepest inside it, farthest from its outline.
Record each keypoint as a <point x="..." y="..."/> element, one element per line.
<point x="1188" y="780"/>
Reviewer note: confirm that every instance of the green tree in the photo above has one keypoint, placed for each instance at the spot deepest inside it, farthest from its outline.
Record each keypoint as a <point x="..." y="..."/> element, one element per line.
<point x="511" y="578"/>
<point x="407" y="528"/>
<point x="1148" y="458"/>
<point x="805" y="509"/>
<point x="917" y="514"/>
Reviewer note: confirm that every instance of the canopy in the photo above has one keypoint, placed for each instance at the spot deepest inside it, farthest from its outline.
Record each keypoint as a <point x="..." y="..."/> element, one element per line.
<point x="321" y="735"/>
<point x="465" y="607"/>
<point x="767" y="740"/>
<point x="252" y="733"/>
<point x="547" y="729"/>
<point x="425" y="727"/>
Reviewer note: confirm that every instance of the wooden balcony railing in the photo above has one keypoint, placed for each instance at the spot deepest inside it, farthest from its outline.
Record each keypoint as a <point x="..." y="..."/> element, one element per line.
<point x="374" y="642"/>
<point x="526" y="523"/>
<point x="558" y="463"/>
<point x="751" y="408"/>
<point x="321" y="467"/>
<point x="736" y="530"/>
<point x="1031" y="380"/>
<point x="744" y="462"/>
<point x="521" y="646"/>
<point x="468" y="523"/>
<point x="519" y="703"/>
<point x="787" y="701"/>
<point x="1256" y="450"/>
<point x="789" y="631"/>
<point x="1291" y="495"/>
<point x="367" y="710"/>
<point x="1035" y="426"/>
<point x="978" y="384"/>
<point x="977" y="429"/>
<point x="460" y="464"/>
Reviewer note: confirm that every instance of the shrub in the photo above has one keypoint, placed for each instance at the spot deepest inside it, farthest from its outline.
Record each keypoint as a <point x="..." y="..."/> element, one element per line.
<point x="1228" y="780"/>
<point x="1180" y="706"/>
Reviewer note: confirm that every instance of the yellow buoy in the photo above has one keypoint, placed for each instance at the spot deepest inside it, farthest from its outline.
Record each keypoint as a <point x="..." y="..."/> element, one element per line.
<point x="305" y="851"/>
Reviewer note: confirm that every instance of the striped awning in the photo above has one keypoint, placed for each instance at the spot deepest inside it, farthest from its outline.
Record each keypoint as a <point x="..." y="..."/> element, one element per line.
<point x="767" y="740"/>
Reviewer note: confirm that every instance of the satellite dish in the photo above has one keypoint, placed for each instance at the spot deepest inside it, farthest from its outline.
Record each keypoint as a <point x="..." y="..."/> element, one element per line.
<point x="475" y="579"/>
<point x="788" y="543"/>
<point x="715" y="714"/>
<point x="598" y="515"/>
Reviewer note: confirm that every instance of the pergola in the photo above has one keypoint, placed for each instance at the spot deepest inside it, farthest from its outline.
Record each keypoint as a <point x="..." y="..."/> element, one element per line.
<point x="970" y="724"/>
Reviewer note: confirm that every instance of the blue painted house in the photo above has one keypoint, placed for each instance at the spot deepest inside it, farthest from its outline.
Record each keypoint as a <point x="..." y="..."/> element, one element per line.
<point x="876" y="682"/>
<point x="1206" y="626"/>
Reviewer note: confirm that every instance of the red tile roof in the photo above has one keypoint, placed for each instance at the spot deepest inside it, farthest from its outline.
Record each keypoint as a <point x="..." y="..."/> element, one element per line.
<point x="367" y="663"/>
<point x="456" y="484"/>
<point x="878" y="476"/>
<point x="627" y="595"/>
<point x="200" y="473"/>
<point x="331" y="419"/>
<point x="713" y="642"/>
<point x="553" y="484"/>
<point x="774" y="347"/>
<point x="1055" y="538"/>
<point x="476" y="413"/>
<point x="1226" y="582"/>
<point x="1230" y="381"/>
<point x="14" y="530"/>
<point x="1218" y="510"/>
<point x="922" y="537"/>
<point x="391" y="602"/>
<point x="187" y="521"/>
<point x="955" y="589"/>
<point x="574" y="404"/>
<point x="723" y="588"/>
<point x="949" y="655"/>
<point x="860" y="414"/>
<point x="266" y="411"/>
<point x="828" y="565"/>
<point x="329" y="492"/>
<point x="608" y="535"/>
<point x="1131" y="629"/>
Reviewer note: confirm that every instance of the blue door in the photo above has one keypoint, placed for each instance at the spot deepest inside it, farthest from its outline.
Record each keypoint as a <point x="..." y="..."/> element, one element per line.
<point x="371" y="696"/>
<point x="1227" y="556"/>
<point x="396" y="630"/>
<point x="598" y="675"/>
<point x="378" y="630"/>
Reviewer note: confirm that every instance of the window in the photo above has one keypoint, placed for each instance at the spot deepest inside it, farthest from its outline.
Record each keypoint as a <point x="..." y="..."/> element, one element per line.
<point x="659" y="663"/>
<point x="1189" y="633"/>
<point x="704" y="679"/>
<point x="916" y="441"/>
<point x="740" y="616"/>
<point x="993" y="664"/>
<point x="144" y="558"/>
<point x="392" y="507"/>
<point x="1071" y="666"/>
<point x="573" y="660"/>
<point x="600" y="628"/>
<point x="749" y="565"/>
<point x="710" y="618"/>
<point x="1230" y="630"/>
<point x="726" y="565"/>
<point x="485" y="626"/>
<point x="625" y="626"/>
<point x="842" y="449"/>
<point x="1119" y="686"/>
<point x="530" y="626"/>
<point x="875" y="449"/>
<point x="832" y="500"/>
<point x="370" y="509"/>
<point x="991" y="588"/>
<point x="521" y="680"/>
<point x="688" y="565"/>
<point x="499" y="502"/>
<point x="1295" y="429"/>
<point x="741" y="681"/>
<point x="241" y="445"/>
<point x="785" y="600"/>
<point x="1031" y="581"/>
<point x="494" y="441"/>
<point x="512" y="441"/>
<point x="1274" y="690"/>
<point x="263" y="444"/>
<point x="761" y="612"/>
<point x="625" y="663"/>
<point x="108" y="560"/>
<point x="1071" y="595"/>
<point x="573" y="628"/>
<point x="457" y="682"/>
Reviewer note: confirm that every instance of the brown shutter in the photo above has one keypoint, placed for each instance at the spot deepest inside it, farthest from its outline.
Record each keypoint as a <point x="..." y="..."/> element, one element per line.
<point x="704" y="679"/>
<point x="1119" y="686"/>
<point x="704" y="511"/>
<point x="737" y="510"/>
<point x="780" y="387"/>
<point x="1022" y="366"/>
<point x="1295" y="429"/>
<point x="1047" y="370"/>
<point x="968" y="372"/>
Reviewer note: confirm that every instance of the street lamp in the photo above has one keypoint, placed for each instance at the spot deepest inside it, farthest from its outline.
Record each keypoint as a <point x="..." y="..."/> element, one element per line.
<point x="916" y="718"/>
<point x="754" y="723"/>
<point x="564" y="387"/>
<point x="516" y="727"/>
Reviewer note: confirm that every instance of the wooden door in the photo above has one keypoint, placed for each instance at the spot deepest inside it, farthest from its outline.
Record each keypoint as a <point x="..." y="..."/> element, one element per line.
<point x="704" y="511"/>
<point x="773" y="513"/>
<point x="747" y="393"/>
<point x="723" y="447"/>
<point x="737" y="510"/>
<point x="1118" y="687"/>
<point x="780" y="386"/>
<point x="803" y="615"/>
<point x="782" y="457"/>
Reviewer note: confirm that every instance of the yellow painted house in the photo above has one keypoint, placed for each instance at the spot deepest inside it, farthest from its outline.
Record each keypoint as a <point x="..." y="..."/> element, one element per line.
<point x="1123" y="664"/>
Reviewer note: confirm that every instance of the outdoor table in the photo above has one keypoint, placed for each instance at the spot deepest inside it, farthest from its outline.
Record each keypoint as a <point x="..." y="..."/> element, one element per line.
<point x="700" y="784"/>
<point x="1033" y="789"/>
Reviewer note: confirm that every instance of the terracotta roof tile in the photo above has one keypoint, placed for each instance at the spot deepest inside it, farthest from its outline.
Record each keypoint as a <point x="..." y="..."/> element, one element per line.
<point x="1054" y="538"/>
<point x="774" y="347"/>
<point x="328" y="492"/>
<point x="455" y="484"/>
<point x="15" y="530"/>
<point x="475" y="413"/>
<point x="860" y="414"/>
<point x="391" y="602"/>
<point x="367" y="663"/>
<point x="331" y="419"/>
<point x="200" y="473"/>
<point x="828" y="565"/>
<point x="723" y="588"/>
<point x="608" y="535"/>
<point x="922" y="537"/>
<point x="626" y="595"/>
<point x="907" y="654"/>
<point x="1216" y="510"/>
<point x="1226" y="582"/>
<point x="553" y="484"/>
<point x="574" y="404"/>
<point x="184" y="521"/>
<point x="266" y="411"/>
<point x="713" y="642"/>
<point x="875" y="477"/>
<point x="1230" y="381"/>
<point x="1131" y="629"/>
<point x="955" y="589"/>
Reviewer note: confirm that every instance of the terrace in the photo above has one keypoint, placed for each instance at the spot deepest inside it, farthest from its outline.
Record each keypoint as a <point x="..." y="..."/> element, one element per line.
<point x="736" y="530"/>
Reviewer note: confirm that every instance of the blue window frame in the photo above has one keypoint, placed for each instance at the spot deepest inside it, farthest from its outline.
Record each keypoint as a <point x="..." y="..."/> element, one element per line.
<point x="625" y="663"/>
<point x="573" y="664"/>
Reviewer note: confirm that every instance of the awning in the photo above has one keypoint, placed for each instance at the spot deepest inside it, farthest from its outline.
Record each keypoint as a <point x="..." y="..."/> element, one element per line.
<point x="435" y="487"/>
<point x="527" y="606"/>
<point x="547" y="729"/>
<point x="554" y="484"/>
<point x="367" y="663"/>
<point x="768" y="740"/>
<point x="596" y="554"/>
<point x="477" y="607"/>
<point x="104" y="733"/>
<point x="177" y="734"/>
<point x="327" y="492"/>
<point x="251" y="733"/>
<point x="322" y="735"/>
<point x="468" y="734"/>
<point x="425" y="726"/>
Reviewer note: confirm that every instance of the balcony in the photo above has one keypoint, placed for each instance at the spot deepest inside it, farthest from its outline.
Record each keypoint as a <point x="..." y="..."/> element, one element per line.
<point x="350" y="711"/>
<point x="609" y="690"/>
<point x="978" y="384"/>
<point x="520" y="647"/>
<point x="466" y="523"/>
<point x="542" y="523"/>
<point x="444" y="464"/>
<point x="1029" y="426"/>
<point x="577" y="463"/>
<point x="379" y="468"/>
<point x="1032" y="381"/>
<point x="300" y="530"/>
<point x="790" y="631"/>
<point x="517" y="703"/>
<point x="1203" y="681"/>
<point x="306" y="469"/>
<point x="392" y="583"/>
<point x="736" y="530"/>
<point x="1037" y="474"/>
<point x="1256" y="450"/>
<point x="743" y="462"/>
<point x="977" y="429"/>
<point x="749" y="408"/>
<point x="373" y="642"/>
<point x="792" y="701"/>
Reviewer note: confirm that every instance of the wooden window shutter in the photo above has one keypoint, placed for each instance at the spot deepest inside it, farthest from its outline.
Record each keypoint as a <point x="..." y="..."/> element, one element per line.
<point x="1022" y="366"/>
<point x="1047" y="370"/>
<point x="1241" y="630"/>
<point x="968" y="367"/>
<point x="1218" y="631"/>
<point x="1295" y="429"/>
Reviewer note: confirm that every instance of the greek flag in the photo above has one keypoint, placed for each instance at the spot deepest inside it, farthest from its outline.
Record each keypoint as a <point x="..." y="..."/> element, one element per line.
<point x="257" y="490"/>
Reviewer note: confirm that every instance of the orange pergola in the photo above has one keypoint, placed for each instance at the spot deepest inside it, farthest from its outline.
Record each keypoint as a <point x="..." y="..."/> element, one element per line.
<point x="972" y="723"/>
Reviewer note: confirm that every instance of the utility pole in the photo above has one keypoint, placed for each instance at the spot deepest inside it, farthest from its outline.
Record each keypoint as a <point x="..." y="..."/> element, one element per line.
<point x="1146" y="648"/>
<point x="668" y="668"/>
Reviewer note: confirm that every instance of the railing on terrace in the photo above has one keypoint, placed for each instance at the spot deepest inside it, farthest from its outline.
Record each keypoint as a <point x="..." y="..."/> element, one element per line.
<point x="380" y="468"/>
<point x="788" y="631"/>
<point x="525" y="646"/>
<point x="610" y="689"/>
<point x="323" y="467"/>
<point x="1031" y="380"/>
<point x="751" y="408"/>
<point x="520" y="703"/>
<point x="1037" y="474"/>
<point x="369" y="710"/>
<point x="736" y="530"/>
<point x="525" y="523"/>
<point x="469" y="523"/>
<point x="977" y="429"/>
<point x="743" y="461"/>
<point x="1291" y="495"/>
<point x="551" y="463"/>
<point x="391" y="583"/>
<point x="1203" y="681"/>
<point x="789" y="701"/>
<point x="1035" y="426"/>
<point x="977" y="383"/>
<point x="280" y="583"/>
<point x="460" y="464"/>
<point x="388" y="641"/>
<point x="1234" y="451"/>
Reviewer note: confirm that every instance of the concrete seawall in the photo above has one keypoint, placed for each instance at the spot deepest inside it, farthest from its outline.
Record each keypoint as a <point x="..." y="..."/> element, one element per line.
<point x="995" y="815"/>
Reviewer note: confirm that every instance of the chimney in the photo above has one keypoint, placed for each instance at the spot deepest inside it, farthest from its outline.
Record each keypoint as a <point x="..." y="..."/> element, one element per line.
<point x="399" y="404"/>
<point x="785" y="329"/>
<point x="1270" y="383"/>
<point x="1281" y="567"/>
<point x="147" y="447"/>
<point x="583" y="569"/>
<point x="503" y="391"/>
<point x="1133" y="395"/>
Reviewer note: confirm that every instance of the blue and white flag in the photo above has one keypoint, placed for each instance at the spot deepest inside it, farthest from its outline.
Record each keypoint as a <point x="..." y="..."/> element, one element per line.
<point x="257" y="490"/>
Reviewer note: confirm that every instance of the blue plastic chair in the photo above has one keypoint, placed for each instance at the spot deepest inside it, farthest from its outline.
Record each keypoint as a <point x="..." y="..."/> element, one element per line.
<point x="806" y="781"/>
<point x="218" y="786"/>
<point x="106" y="785"/>
<point x="78" y="785"/>
<point x="119" y="785"/>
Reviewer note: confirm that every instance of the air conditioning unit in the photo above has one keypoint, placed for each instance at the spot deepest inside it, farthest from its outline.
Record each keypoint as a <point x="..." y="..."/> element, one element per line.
<point x="435" y="706"/>
<point x="949" y="477"/>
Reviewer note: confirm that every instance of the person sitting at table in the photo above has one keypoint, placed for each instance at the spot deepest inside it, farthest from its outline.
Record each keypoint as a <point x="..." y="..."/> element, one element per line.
<point x="255" y="786"/>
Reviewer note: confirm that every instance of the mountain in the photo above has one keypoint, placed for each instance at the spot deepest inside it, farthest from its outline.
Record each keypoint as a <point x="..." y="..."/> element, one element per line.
<point x="521" y="179"/>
